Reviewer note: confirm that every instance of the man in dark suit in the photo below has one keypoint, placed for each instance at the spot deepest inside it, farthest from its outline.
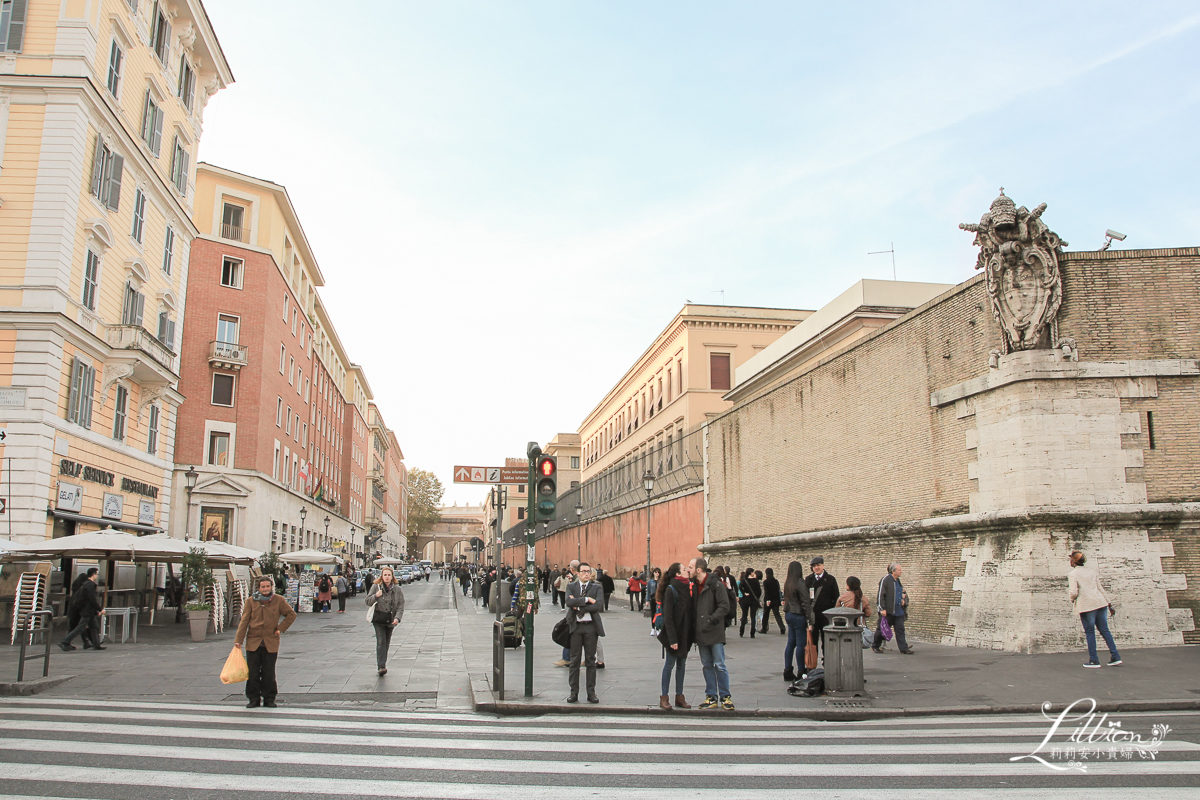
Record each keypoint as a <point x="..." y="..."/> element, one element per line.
<point x="585" y="601"/>
<point x="823" y="590"/>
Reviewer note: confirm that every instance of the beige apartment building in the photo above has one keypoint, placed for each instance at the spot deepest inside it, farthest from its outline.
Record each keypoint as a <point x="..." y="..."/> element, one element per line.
<point x="100" y="117"/>
<point x="678" y="382"/>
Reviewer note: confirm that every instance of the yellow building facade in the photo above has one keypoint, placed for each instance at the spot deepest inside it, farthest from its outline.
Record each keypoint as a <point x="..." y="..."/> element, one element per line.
<point x="101" y="105"/>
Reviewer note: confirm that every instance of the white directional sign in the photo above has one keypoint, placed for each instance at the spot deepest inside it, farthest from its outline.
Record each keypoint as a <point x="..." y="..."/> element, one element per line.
<point x="490" y="474"/>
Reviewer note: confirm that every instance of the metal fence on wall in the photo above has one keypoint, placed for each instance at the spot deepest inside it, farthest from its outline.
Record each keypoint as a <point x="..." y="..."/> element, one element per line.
<point x="677" y="464"/>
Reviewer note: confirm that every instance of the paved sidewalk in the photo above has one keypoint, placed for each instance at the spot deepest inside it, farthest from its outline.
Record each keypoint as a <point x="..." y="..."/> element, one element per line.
<point x="326" y="659"/>
<point x="937" y="678"/>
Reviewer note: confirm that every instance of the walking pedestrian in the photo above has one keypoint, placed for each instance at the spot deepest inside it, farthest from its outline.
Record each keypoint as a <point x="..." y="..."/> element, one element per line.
<point x="585" y="599"/>
<point x="748" y="591"/>
<point x="823" y="591"/>
<point x="1092" y="606"/>
<point x="652" y="590"/>
<point x="675" y="599"/>
<point x="798" y="611"/>
<point x="710" y="604"/>
<point x="552" y="579"/>
<point x="634" y="587"/>
<point x="73" y="612"/>
<point x="324" y="592"/>
<point x="86" y="602"/>
<point x="725" y="577"/>
<point x="608" y="584"/>
<point x="568" y="576"/>
<point x="388" y="599"/>
<point x="772" y="600"/>
<point x="343" y="591"/>
<point x="893" y="604"/>
<point x="264" y="619"/>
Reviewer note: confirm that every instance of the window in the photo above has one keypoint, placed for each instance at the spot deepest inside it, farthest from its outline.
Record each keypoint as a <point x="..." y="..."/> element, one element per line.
<point x="168" y="250"/>
<point x="152" y="122"/>
<point x="574" y="462"/>
<point x="222" y="390"/>
<point x="288" y="430"/>
<point x="187" y="83"/>
<point x="231" y="272"/>
<point x="282" y="358"/>
<point x="293" y="322"/>
<point x="179" y="168"/>
<point x="278" y="412"/>
<point x="670" y="385"/>
<point x="107" y="169"/>
<point x="119" y="411"/>
<point x="115" y="58"/>
<point x="275" y="523"/>
<point x="166" y="330"/>
<point x="291" y="373"/>
<point x="679" y="375"/>
<point x="133" y="5"/>
<point x="218" y="449"/>
<point x="232" y="222"/>
<point x="275" y="463"/>
<point x="91" y="279"/>
<point x="152" y="432"/>
<point x="227" y="329"/>
<point x="139" y="216"/>
<point x="286" y="303"/>
<point x="718" y="371"/>
<point x="12" y="24"/>
<point x="520" y="512"/>
<point x="160" y="34"/>
<point x="79" y="403"/>
<point x="135" y="302"/>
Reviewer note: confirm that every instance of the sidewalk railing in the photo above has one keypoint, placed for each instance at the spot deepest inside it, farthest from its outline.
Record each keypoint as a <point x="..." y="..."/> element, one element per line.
<point x="27" y="631"/>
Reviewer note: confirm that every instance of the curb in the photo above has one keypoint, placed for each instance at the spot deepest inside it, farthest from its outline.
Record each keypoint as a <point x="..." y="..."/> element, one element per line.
<point x="491" y="706"/>
<point x="36" y="686"/>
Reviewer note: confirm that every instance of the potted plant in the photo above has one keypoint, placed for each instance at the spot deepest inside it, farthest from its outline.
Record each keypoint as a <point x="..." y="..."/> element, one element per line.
<point x="197" y="576"/>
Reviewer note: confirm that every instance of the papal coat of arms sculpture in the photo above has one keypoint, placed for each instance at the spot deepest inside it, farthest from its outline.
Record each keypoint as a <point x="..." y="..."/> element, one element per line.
<point x="1020" y="255"/>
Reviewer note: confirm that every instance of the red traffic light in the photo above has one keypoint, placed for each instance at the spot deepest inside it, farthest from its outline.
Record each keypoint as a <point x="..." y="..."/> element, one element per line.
<point x="546" y="467"/>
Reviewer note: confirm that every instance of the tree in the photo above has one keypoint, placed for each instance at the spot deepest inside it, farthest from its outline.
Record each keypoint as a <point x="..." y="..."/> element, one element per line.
<point x="424" y="496"/>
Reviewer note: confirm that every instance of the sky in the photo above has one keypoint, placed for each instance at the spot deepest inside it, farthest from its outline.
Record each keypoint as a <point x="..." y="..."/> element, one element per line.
<point x="510" y="200"/>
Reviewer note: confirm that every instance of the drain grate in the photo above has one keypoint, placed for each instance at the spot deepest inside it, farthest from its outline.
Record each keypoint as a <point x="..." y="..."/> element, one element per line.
<point x="856" y="703"/>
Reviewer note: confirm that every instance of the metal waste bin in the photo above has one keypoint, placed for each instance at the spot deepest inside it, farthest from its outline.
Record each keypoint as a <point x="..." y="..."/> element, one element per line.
<point x="842" y="643"/>
<point x="475" y="584"/>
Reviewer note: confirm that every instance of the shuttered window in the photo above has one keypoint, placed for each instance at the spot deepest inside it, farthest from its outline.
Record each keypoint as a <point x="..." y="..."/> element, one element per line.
<point x="166" y="330"/>
<point x="718" y="371"/>
<point x="91" y="280"/>
<point x="139" y="216"/>
<point x="152" y="122"/>
<point x="135" y="303"/>
<point x="107" y="171"/>
<point x="152" y="431"/>
<point x="119" y="411"/>
<point x="187" y="83"/>
<point x="115" y="60"/>
<point x="179" y="168"/>
<point x="12" y="24"/>
<point x="160" y="34"/>
<point x="222" y="389"/>
<point x="168" y="250"/>
<point x="79" y="402"/>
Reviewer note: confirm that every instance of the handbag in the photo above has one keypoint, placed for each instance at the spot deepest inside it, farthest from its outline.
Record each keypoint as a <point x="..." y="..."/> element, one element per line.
<point x="885" y="628"/>
<point x="810" y="652"/>
<point x="561" y="634"/>
<point x="868" y="637"/>
<point x="370" y="613"/>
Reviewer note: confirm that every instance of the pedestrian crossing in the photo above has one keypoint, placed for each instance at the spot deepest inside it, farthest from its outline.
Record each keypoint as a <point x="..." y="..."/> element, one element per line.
<point x="112" y="751"/>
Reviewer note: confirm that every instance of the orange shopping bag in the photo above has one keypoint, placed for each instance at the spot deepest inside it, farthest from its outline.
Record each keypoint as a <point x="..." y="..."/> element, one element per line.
<point x="810" y="653"/>
<point x="235" y="670"/>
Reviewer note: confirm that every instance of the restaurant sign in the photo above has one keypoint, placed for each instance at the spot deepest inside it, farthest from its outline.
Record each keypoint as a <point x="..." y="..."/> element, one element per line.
<point x="114" y="505"/>
<point x="76" y="470"/>
<point x="70" y="497"/>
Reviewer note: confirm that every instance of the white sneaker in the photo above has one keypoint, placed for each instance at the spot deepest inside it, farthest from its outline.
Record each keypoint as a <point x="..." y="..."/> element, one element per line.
<point x="1116" y="662"/>
<point x="1092" y="664"/>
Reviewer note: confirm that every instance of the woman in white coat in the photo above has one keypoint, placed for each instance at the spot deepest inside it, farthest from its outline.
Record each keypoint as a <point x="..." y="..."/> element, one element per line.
<point x="1091" y="604"/>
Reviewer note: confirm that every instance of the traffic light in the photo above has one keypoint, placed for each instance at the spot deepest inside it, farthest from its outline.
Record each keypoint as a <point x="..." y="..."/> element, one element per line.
<point x="546" y="487"/>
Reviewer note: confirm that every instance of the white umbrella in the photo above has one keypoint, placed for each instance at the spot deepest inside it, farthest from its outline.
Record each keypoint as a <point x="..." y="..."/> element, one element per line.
<point x="217" y="551"/>
<point x="382" y="561"/>
<point x="310" y="557"/>
<point x="109" y="544"/>
<point x="6" y="545"/>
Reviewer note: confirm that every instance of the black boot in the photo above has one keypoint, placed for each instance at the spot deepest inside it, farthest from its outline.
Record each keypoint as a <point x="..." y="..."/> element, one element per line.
<point x="788" y="675"/>
<point x="742" y="631"/>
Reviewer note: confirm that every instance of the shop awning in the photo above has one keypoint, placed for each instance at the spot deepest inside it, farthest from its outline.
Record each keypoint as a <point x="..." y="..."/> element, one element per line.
<point x="103" y="523"/>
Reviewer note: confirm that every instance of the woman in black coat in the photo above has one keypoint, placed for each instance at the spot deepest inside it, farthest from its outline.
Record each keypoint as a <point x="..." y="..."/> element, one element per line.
<point x="674" y="598"/>
<point x="772" y="600"/>
<point x="749" y="589"/>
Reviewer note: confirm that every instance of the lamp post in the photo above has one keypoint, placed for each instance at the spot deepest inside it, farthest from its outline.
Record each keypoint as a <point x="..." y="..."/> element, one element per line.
<point x="190" y="482"/>
<point x="578" y="529"/>
<point x="303" y="514"/>
<point x="648" y="483"/>
<point x="327" y="543"/>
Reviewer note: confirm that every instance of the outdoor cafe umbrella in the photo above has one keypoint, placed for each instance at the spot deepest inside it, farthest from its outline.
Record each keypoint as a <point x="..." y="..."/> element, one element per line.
<point x="381" y="561"/>
<point x="217" y="551"/>
<point x="310" y="556"/>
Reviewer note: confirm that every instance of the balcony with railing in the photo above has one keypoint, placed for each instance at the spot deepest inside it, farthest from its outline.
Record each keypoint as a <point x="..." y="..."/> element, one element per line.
<point x="376" y="476"/>
<point x="153" y="356"/>
<point x="227" y="355"/>
<point x="376" y="523"/>
<point x="234" y="232"/>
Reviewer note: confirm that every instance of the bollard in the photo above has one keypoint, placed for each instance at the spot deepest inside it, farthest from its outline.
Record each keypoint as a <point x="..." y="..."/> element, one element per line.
<point x="842" y="643"/>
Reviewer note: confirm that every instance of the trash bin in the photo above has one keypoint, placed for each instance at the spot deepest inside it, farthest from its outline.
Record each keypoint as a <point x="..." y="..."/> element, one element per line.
<point x="842" y="643"/>
<point x="475" y="582"/>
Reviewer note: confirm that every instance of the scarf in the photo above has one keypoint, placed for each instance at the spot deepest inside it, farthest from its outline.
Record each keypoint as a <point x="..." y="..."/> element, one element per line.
<point x="260" y="597"/>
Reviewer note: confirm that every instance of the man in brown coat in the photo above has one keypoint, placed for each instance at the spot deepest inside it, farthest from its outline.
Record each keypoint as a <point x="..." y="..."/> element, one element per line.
<point x="260" y="629"/>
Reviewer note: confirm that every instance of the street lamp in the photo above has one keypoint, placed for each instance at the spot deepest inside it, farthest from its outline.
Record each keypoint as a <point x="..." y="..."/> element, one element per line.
<point x="190" y="478"/>
<point x="327" y="543"/>
<point x="578" y="529"/>
<point x="648" y="483"/>
<point x="303" y="514"/>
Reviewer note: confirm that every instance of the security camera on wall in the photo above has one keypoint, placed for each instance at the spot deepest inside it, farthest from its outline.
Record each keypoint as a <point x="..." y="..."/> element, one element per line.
<point x="1109" y="235"/>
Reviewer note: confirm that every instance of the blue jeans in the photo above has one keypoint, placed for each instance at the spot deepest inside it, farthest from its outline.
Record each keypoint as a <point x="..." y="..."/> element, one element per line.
<point x="678" y="661"/>
<point x="797" y="628"/>
<point x="1092" y="620"/>
<point x="716" y="676"/>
